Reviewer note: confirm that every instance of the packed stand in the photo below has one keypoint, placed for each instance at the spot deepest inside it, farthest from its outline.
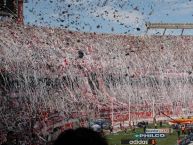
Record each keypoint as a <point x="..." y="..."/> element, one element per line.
<point x="64" y="78"/>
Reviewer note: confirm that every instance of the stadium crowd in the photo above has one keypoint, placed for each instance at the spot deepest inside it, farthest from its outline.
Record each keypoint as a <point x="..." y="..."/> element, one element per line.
<point x="54" y="79"/>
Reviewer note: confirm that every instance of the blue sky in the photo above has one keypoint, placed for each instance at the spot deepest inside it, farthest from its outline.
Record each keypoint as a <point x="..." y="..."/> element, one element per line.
<point x="109" y="16"/>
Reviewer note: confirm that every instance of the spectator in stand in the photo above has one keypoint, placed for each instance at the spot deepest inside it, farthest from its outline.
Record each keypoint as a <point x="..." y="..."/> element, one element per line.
<point x="146" y="123"/>
<point x="133" y="129"/>
<point x="189" y="131"/>
<point x="125" y="129"/>
<point x="144" y="128"/>
<point x="178" y="140"/>
<point x="111" y="129"/>
<point x="183" y="129"/>
<point x="178" y="131"/>
<point x="160" y="123"/>
<point x="121" y="127"/>
<point x="154" y="142"/>
<point x="82" y="136"/>
<point x="155" y="125"/>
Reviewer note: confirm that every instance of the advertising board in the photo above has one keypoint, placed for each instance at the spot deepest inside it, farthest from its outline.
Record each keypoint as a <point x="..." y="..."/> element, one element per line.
<point x="139" y="142"/>
<point x="150" y="135"/>
<point x="161" y="130"/>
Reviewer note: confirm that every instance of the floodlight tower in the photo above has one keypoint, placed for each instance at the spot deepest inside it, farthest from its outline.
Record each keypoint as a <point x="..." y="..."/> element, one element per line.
<point x="20" y="12"/>
<point x="12" y="9"/>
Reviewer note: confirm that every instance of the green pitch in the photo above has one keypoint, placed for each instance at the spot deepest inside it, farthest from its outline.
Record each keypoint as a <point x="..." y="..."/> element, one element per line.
<point x="115" y="139"/>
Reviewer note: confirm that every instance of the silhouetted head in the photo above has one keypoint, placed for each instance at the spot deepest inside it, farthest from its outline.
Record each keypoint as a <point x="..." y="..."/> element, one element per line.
<point x="80" y="136"/>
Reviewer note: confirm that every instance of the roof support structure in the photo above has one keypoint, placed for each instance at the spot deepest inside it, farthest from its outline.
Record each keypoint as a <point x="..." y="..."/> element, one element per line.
<point x="166" y="26"/>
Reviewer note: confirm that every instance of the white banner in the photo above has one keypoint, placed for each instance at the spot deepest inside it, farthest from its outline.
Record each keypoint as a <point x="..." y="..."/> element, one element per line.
<point x="161" y="130"/>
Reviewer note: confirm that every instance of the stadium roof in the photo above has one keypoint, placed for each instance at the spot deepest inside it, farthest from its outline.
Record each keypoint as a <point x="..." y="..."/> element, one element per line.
<point x="169" y="25"/>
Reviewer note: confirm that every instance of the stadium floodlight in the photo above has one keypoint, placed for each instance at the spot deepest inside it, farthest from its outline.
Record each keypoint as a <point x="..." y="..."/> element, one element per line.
<point x="12" y="8"/>
<point x="169" y="26"/>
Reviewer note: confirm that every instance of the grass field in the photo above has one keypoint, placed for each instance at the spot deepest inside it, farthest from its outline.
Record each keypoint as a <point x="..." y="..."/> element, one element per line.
<point x="115" y="139"/>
